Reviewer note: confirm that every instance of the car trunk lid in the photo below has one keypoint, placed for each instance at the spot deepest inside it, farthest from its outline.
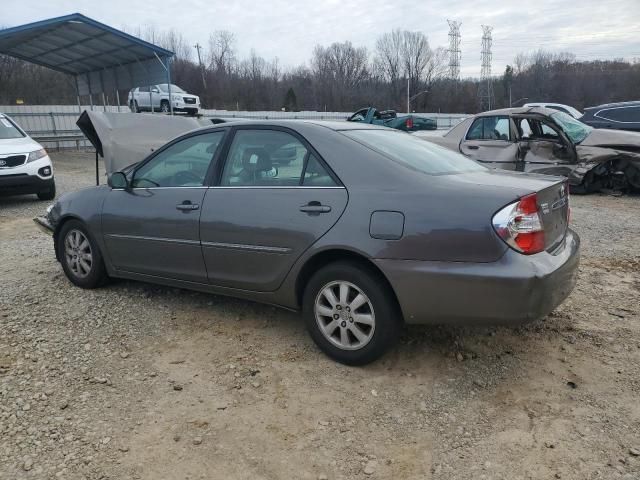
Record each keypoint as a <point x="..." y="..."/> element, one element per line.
<point x="553" y="209"/>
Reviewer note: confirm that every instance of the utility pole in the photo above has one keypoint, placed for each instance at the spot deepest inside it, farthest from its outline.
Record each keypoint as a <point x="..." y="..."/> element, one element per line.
<point x="454" y="49"/>
<point x="485" y="89"/>
<point x="197" y="46"/>
<point x="408" y="97"/>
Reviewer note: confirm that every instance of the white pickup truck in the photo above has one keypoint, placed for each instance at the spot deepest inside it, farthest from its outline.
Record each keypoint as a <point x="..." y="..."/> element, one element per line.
<point x="156" y="98"/>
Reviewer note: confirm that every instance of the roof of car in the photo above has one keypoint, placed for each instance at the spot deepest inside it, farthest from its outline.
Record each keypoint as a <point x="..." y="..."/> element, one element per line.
<point x="330" y="124"/>
<point x="633" y="103"/>
<point x="517" y="110"/>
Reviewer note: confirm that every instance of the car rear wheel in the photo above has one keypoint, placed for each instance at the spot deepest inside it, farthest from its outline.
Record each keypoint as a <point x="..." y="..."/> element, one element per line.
<point x="80" y="256"/>
<point x="350" y="313"/>
<point x="48" y="194"/>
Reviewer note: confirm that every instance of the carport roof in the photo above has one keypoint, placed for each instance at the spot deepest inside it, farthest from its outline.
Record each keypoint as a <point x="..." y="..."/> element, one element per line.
<point x="100" y="57"/>
<point x="75" y="44"/>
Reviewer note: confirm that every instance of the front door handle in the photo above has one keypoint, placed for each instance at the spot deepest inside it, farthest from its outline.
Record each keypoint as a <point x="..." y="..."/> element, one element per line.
<point x="314" y="208"/>
<point x="473" y="147"/>
<point x="187" y="206"/>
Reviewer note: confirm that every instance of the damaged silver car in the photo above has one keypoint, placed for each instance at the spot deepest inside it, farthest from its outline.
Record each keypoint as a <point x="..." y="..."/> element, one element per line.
<point x="540" y="140"/>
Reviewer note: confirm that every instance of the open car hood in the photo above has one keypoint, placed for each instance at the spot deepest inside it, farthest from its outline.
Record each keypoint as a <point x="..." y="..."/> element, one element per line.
<point x="126" y="138"/>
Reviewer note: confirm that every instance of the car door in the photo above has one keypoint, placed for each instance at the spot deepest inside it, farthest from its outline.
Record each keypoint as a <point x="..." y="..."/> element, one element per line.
<point x="260" y="218"/>
<point x="490" y="141"/>
<point x="544" y="148"/>
<point x="152" y="228"/>
<point x="142" y="97"/>
<point x="155" y="98"/>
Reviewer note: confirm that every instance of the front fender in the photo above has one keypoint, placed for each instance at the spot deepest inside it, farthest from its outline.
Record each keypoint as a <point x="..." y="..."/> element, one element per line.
<point x="85" y="206"/>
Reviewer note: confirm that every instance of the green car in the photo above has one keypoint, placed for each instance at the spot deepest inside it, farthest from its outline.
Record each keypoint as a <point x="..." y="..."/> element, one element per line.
<point x="389" y="118"/>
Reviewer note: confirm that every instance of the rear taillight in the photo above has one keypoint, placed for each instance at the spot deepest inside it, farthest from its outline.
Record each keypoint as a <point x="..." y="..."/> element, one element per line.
<point x="519" y="225"/>
<point x="409" y="123"/>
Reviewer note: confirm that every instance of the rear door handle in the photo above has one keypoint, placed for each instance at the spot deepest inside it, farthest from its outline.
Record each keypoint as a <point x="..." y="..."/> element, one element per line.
<point x="315" y="208"/>
<point x="187" y="206"/>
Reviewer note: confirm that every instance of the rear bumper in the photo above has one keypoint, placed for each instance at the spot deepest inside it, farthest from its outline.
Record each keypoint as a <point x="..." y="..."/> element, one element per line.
<point x="17" y="184"/>
<point x="514" y="290"/>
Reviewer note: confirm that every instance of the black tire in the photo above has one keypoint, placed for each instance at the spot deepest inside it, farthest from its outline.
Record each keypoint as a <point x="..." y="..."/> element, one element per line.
<point x="136" y="108"/>
<point x="387" y="318"/>
<point x="96" y="275"/>
<point x="48" y="194"/>
<point x="165" y="107"/>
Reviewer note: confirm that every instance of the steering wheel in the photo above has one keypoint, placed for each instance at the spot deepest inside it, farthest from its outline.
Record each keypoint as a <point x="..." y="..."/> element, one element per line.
<point x="186" y="177"/>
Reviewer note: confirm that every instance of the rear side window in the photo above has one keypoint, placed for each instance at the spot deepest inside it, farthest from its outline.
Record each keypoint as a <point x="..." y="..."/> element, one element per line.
<point x="414" y="153"/>
<point x="8" y="129"/>
<point x="490" y="128"/>
<point x="622" y="114"/>
<point x="272" y="158"/>
<point x="143" y="89"/>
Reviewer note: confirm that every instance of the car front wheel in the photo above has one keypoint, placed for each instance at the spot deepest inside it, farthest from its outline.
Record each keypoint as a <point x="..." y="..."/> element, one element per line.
<point x="80" y="256"/>
<point x="48" y="194"/>
<point x="350" y="313"/>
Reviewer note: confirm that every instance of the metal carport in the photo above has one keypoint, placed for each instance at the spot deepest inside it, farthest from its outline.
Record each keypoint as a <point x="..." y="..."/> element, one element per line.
<point x="99" y="58"/>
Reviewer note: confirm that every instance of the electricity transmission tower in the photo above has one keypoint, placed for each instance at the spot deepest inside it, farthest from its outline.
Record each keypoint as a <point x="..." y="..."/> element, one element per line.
<point x="485" y="90"/>
<point x="454" y="49"/>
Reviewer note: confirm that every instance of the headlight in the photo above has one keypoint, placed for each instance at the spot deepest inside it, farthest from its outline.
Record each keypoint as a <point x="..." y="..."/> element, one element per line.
<point x="49" y="208"/>
<point x="33" y="156"/>
<point x="175" y="97"/>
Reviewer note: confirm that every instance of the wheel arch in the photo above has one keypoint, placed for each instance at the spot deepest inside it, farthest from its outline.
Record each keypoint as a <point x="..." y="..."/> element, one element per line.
<point x="333" y="255"/>
<point x="56" y="232"/>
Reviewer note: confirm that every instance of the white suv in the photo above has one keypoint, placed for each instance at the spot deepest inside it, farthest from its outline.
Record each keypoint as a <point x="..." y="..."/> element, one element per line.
<point x="142" y="98"/>
<point x="25" y="166"/>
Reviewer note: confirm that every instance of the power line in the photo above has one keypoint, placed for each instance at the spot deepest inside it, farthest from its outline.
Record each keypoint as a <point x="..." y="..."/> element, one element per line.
<point x="455" y="54"/>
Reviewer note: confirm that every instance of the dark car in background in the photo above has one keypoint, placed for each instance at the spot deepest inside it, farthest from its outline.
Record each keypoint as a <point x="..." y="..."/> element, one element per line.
<point x="366" y="228"/>
<point x="619" y="116"/>
<point x="389" y="118"/>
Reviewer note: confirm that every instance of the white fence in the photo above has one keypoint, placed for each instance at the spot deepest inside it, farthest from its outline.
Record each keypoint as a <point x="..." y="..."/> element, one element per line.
<point x="55" y="125"/>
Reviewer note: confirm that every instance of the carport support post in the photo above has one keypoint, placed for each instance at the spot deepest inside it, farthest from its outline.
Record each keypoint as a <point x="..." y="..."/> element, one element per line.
<point x="97" y="169"/>
<point x="168" y="67"/>
<point x="78" y="95"/>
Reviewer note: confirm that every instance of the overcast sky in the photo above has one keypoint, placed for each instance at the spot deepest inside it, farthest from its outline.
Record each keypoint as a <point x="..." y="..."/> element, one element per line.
<point x="289" y="29"/>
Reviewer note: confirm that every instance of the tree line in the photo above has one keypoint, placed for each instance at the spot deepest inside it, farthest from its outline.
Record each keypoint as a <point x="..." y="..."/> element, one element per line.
<point x="344" y="77"/>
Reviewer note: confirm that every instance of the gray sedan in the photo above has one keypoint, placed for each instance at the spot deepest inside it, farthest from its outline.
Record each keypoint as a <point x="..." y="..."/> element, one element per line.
<point x="363" y="229"/>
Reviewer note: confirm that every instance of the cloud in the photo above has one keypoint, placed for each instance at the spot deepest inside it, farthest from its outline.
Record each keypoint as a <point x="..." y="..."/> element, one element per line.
<point x="289" y="29"/>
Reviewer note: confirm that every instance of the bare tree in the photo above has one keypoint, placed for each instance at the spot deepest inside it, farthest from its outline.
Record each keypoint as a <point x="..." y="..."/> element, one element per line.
<point x="388" y="55"/>
<point x="221" y="51"/>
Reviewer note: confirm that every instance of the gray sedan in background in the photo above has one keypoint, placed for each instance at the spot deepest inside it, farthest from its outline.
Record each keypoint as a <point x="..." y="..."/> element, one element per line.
<point x="363" y="228"/>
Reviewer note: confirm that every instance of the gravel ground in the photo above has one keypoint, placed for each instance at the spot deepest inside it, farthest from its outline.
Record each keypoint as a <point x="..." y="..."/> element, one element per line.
<point x="135" y="381"/>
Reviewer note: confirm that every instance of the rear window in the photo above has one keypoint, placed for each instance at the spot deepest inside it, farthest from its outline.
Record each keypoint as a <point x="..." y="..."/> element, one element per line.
<point x="413" y="152"/>
<point x="8" y="129"/>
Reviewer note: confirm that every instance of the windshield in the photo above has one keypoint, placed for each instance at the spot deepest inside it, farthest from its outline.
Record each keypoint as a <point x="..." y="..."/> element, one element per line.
<point x="174" y="88"/>
<point x="574" y="129"/>
<point x="8" y="129"/>
<point x="413" y="152"/>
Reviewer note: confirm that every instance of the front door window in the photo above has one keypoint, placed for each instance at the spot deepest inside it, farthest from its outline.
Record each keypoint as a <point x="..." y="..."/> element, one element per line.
<point x="183" y="164"/>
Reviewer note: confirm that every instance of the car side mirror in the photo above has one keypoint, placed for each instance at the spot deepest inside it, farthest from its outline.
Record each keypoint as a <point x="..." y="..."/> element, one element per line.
<point x="118" y="180"/>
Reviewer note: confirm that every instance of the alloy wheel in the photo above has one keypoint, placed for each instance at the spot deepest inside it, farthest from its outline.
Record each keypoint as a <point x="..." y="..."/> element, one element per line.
<point x="77" y="252"/>
<point x="345" y="315"/>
